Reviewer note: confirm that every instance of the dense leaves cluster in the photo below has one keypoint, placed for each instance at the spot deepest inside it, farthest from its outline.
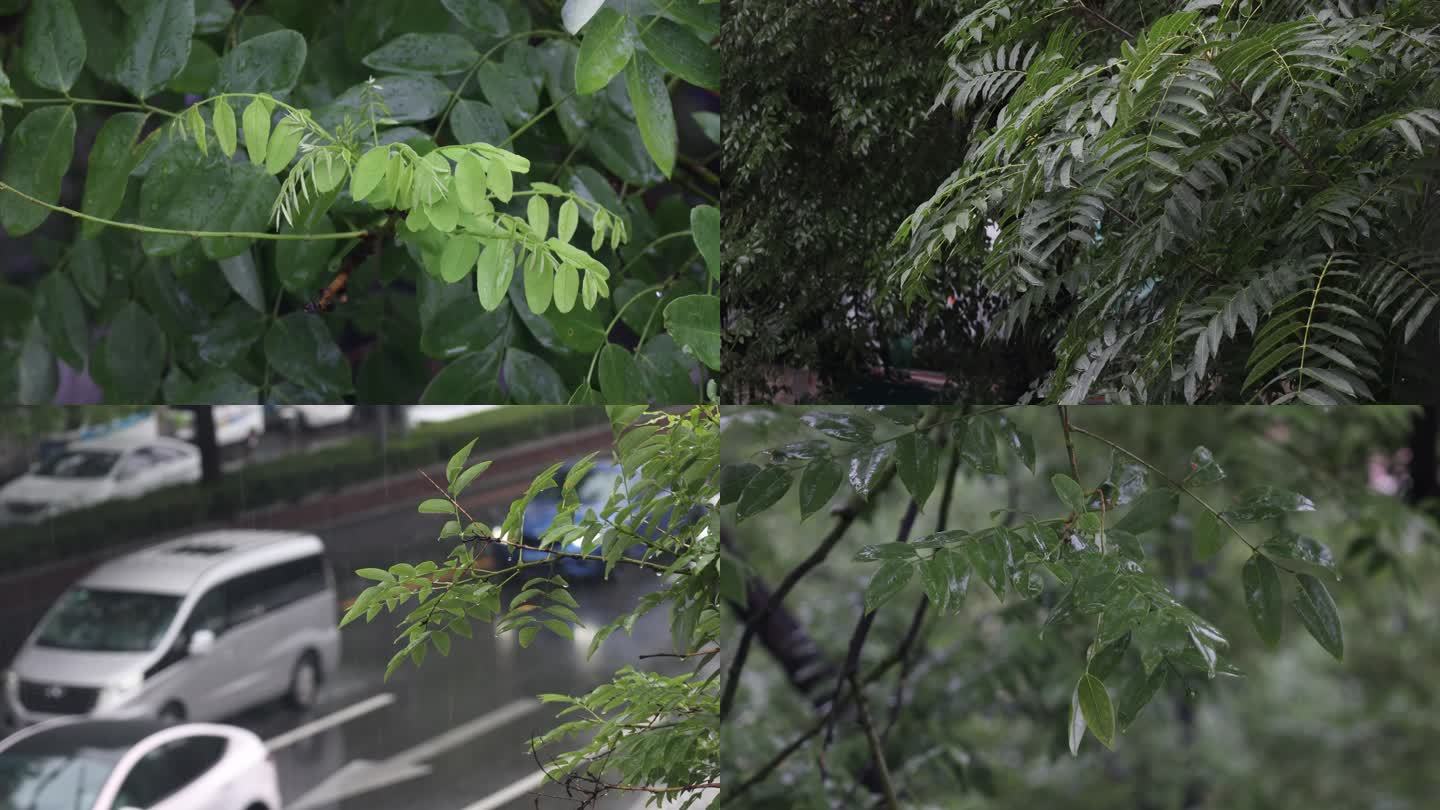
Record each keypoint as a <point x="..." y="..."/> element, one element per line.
<point x="657" y="731"/>
<point x="285" y="209"/>
<point x="1112" y="571"/>
<point x="1198" y="199"/>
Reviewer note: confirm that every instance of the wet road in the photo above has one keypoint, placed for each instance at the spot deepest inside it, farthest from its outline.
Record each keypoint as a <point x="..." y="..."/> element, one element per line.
<point x="451" y="734"/>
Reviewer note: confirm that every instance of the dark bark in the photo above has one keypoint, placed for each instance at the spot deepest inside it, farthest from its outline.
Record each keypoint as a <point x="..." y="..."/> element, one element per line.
<point x="205" y="440"/>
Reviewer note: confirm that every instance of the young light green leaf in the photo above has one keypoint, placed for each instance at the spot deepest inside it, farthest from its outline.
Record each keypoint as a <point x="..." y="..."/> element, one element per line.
<point x="223" y="120"/>
<point x="569" y="219"/>
<point x="917" y="460"/>
<point x="889" y="580"/>
<point x="459" y="257"/>
<point x="196" y="125"/>
<point x="52" y="48"/>
<point x="1264" y="597"/>
<point x="499" y="181"/>
<point x="1070" y="492"/>
<point x="539" y="283"/>
<point x="493" y="273"/>
<point x="650" y="97"/>
<point x="1317" y="612"/>
<point x="283" y="145"/>
<point x="255" y="122"/>
<point x="437" y="506"/>
<point x="457" y="461"/>
<point x="470" y="182"/>
<point x="1095" y="704"/>
<point x="705" y="225"/>
<point x="607" y="46"/>
<point x="537" y="213"/>
<point x="470" y="474"/>
<point x="818" y="483"/>
<point x="763" y="491"/>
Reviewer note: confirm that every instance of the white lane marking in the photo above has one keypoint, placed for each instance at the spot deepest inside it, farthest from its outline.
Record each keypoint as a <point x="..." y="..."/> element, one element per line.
<point x="465" y="732"/>
<point x="510" y="792"/>
<point x="330" y="721"/>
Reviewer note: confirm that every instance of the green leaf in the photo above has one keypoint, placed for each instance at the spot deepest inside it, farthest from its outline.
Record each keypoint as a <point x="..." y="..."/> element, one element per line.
<point x="477" y="122"/>
<point x="1268" y="503"/>
<point x="256" y="124"/>
<point x="1099" y="714"/>
<point x="1151" y="510"/>
<point x="576" y="13"/>
<point x="493" y="273"/>
<point x="1301" y="554"/>
<point x="1264" y="597"/>
<point x="1317" y="612"/>
<point x="200" y="71"/>
<point x="650" y="98"/>
<point x="539" y="284"/>
<point x="679" y="51"/>
<point x="1069" y="491"/>
<point x="733" y="478"/>
<point x="840" y="426"/>
<point x="1108" y="657"/>
<point x="111" y="161"/>
<point x="62" y="316"/>
<point x="1203" y="469"/>
<point x="1077" y="722"/>
<point x="469" y="476"/>
<point x="52" y="49"/>
<point x="300" y="347"/>
<point x="284" y="143"/>
<point x="369" y="169"/>
<point x="1210" y="535"/>
<point x="437" y="506"/>
<point x="537" y="215"/>
<point x="156" y="45"/>
<point x="694" y="322"/>
<point x="705" y="225"/>
<point x="432" y="54"/>
<point x="36" y="158"/>
<point x="532" y="381"/>
<point x="889" y="580"/>
<point x="133" y="357"/>
<point x="946" y="576"/>
<point x="620" y="379"/>
<point x="668" y="372"/>
<point x="478" y="15"/>
<point x="459" y="258"/>
<point x="865" y="467"/>
<point x="473" y="377"/>
<point x="818" y="483"/>
<point x="763" y="491"/>
<point x="1020" y="442"/>
<point x="917" y="460"/>
<point x="244" y="278"/>
<point x="303" y="265"/>
<point x="607" y="46"/>
<point x="224" y="122"/>
<point x="1139" y="689"/>
<point x="457" y="461"/>
<point x="269" y="63"/>
<point x="569" y="220"/>
<point x="7" y="95"/>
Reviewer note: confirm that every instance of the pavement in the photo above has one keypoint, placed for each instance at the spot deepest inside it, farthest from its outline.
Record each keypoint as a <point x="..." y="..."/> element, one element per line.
<point x="452" y="734"/>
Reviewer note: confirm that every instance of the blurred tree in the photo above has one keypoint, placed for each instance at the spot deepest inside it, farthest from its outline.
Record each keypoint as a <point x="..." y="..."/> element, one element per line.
<point x="1129" y="558"/>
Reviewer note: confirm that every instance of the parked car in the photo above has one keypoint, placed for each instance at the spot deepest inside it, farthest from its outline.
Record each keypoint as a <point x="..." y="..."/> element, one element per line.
<point x="312" y="417"/>
<point x="233" y="424"/>
<point x="82" y="764"/>
<point x="89" y="472"/>
<point x="196" y="628"/>
<point x="593" y="491"/>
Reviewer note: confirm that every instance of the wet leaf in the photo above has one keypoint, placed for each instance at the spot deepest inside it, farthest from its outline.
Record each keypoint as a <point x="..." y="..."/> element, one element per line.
<point x="532" y="381"/>
<point x="52" y="49"/>
<point x="705" y="225"/>
<point x="132" y="356"/>
<point x="36" y="157"/>
<point x="607" y="46"/>
<point x="1203" y="469"/>
<point x="1150" y="511"/>
<point x="1264" y="598"/>
<point x="917" y="460"/>
<point x="818" y="483"/>
<point x="1296" y="552"/>
<point x="889" y="580"/>
<point x="1099" y="714"/>
<point x="620" y="379"/>
<point x="763" y="491"/>
<point x="681" y="52"/>
<point x="432" y="54"/>
<point x="866" y="466"/>
<point x="111" y="160"/>
<point x="1268" y="503"/>
<point x="694" y="322"/>
<point x="650" y="98"/>
<point x="156" y="45"/>
<point x="269" y="63"/>
<point x="299" y="346"/>
<point x="1319" y="615"/>
<point x="1070" y="492"/>
<point x="470" y="378"/>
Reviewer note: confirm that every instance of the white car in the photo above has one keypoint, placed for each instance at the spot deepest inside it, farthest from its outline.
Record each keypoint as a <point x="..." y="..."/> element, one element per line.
<point x="90" y="472"/>
<point x="311" y="417"/>
<point x="233" y="423"/>
<point x="74" y="764"/>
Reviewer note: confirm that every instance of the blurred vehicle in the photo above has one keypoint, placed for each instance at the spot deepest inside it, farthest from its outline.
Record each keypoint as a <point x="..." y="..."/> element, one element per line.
<point x="199" y="627"/>
<point x="137" y="426"/>
<point x="89" y="472"/>
<point x="593" y="491"/>
<point x="312" y="417"/>
<point x="234" y="424"/>
<point x="75" y="764"/>
<point x="416" y="415"/>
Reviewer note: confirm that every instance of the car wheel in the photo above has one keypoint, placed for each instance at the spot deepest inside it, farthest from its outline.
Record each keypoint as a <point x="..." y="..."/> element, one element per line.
<point x="305" y="683"/>
<point x="172" y="713"/>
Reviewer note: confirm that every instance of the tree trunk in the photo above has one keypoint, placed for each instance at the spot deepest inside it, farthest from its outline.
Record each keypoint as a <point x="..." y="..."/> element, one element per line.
<point x="205" y="440"/>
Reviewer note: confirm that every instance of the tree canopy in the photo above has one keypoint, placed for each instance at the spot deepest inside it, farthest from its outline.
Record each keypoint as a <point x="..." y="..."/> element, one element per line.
<point x="1158" y="608"/>
<point x="390" y="201"/>
<point x="1197" y="200"/>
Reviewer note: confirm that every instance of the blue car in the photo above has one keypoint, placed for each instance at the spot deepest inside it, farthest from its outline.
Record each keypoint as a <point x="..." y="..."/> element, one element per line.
<point x="593" y="491"/>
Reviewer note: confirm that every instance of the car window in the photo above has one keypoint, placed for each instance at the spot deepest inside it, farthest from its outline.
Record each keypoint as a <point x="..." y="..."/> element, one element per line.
<point x="167" y="769"/>
<point x="79" y="464"/>
<point x="108" y="621"/>
<point x="209" y="613"/>
<point x="272" y="588"/>
<point x="53" y="781"/>
<point x="164" y="455"/>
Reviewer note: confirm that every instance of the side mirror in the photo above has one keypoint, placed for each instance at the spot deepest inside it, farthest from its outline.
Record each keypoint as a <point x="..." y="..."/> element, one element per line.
<point x="201" y="642"/>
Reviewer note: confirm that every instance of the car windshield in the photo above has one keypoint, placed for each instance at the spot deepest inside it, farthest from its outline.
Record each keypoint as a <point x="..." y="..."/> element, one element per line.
<point x="78" y="464"/>
<point x="108" y="621"/>
<point x="55" y="782"/>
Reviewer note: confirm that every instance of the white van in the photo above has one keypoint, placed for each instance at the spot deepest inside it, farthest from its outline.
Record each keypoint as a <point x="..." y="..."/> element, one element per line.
<point x="233" y="424"/>
<point x="197" y="628"/>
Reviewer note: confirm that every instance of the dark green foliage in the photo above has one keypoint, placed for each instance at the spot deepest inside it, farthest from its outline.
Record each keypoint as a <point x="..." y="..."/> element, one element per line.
<point x="1212" y="200"/>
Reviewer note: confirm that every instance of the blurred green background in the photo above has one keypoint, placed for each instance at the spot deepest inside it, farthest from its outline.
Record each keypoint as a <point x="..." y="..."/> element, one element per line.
<point x="984" y="720"/>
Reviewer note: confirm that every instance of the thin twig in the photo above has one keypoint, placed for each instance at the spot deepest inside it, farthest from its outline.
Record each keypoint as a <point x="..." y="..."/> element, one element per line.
<point x="876" y="748"/>
<point x="1069" y="443"/>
